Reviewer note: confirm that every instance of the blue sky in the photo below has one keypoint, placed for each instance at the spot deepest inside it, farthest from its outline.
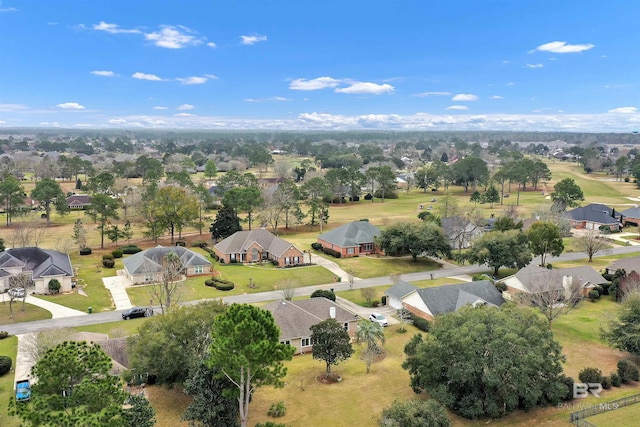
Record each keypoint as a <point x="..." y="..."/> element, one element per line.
<point x="350" y="64"/>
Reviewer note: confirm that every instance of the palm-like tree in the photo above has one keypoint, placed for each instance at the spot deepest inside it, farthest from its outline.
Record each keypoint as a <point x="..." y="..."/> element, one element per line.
<point x="372" y="334"/>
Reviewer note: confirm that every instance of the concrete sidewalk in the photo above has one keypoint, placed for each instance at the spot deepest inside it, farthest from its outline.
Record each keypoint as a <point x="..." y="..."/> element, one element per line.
<point x="331" y="266"/>
<point x="57" y="311"/>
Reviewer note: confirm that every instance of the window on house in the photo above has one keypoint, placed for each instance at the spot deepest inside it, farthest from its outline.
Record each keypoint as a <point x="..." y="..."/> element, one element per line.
<point x="367" y="247"/>
<point x="198" y="269"/>
<point x="148" y="277"/>
<point x="306" y="342"/>
<point x="346" y="326"/>
<point x="351" y="251"/>
<point x="287" y="342"/>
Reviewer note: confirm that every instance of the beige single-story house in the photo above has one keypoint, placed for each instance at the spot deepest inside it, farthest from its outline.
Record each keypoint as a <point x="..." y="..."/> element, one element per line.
<point x="295" y="318"/>
<point x="41" y="265"/>
<point x="146" y="266"/>
<point x="248" y="246"/>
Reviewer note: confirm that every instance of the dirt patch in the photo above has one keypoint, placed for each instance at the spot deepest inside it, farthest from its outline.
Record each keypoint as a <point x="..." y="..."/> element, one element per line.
<point x="331" y="378"/>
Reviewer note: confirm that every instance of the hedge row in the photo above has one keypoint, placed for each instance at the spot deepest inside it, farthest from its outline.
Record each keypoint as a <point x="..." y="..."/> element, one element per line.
<point x="220" y="284"/>
<point x="130" y="249"/>
<point x="331" y="252"/>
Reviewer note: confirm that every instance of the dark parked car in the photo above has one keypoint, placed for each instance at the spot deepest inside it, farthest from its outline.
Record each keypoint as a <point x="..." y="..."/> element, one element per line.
<point x="137" y="312"/>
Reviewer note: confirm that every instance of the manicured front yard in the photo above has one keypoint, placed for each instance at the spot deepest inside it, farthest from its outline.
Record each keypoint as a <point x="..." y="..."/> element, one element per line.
<point x="8" y="347"/>
<point x="375" y="266"/>
<point x="30" y="313"/>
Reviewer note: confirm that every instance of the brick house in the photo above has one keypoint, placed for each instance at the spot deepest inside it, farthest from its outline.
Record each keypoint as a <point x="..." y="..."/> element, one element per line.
<point x="78" y="201"/>
<point x="249" y="246"/>
<point x="593" y="216"/>
<point x="353" y="239"/>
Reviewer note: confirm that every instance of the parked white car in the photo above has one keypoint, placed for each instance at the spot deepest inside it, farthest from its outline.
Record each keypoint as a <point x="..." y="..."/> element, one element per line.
<point x="377" y="317"/>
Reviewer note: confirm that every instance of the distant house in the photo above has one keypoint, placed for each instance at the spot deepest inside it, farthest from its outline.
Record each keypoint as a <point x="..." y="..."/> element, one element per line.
<point x="258" y="245"/>
<point x="593" y="216"/>
<point x="626" y="264"/>
<point x="631" y="216"/>
<point x="460" y="231"/>
<point x="78" y="201"/>
<point x="43" y="265"/>
<point x="430" y="302"/>
<point x="270" y="182"/>
<point x="353" y="239"/>
<point x="146" y="266"/>
<point x="295" y="319"/>
<point x="530" y="278"/>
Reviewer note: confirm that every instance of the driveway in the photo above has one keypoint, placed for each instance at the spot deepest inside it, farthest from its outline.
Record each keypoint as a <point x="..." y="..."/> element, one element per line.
<point x="117" y="286"/>
<point x="364" y="312"/>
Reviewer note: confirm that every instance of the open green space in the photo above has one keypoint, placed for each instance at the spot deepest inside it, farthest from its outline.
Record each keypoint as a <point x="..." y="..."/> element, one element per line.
<point x="30" y="313"/>
<point x="375" y="265"/>
<point x="624" y="416"/>
<point x="8" y="347"/>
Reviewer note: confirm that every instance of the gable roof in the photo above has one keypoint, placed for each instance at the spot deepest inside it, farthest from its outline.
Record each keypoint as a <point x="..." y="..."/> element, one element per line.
<point x="295" y="318"/>
<point x="627" y="264"/>
<point x="594" y="212"/>
<point x="455" y="225"/>
<point x="352" y="234"/>
<point x="41" y="262"/>
<point x="150" y="260"/>
<point x="533" y="275"/>
<point x="240" y="241"/>
<point x="78" y="199"/>
<point x="632" y="212"/>
<point x="449" y="298"/>
<point x="400" y="289"/>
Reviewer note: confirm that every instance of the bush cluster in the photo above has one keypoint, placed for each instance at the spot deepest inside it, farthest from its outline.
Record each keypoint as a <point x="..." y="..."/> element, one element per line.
<point x="85" y="251"/>
<point x="3" y="334"/>
<point x="594" y="295"/>
<point x="331" y="252"/>
<point x="590" y="375"/>
<point x="323" y="293"/>
<point x="107" y="256"/>
<point x="117" y="253"/>
<point x="199" y="244"/>
<point x="277" y="410"/>
<point x="108" y="263"/>
<point x="316" y="246"/>
<point x="130" y="249"/>
<point x="422" y="324"/>
<point x="220" y="284"/>
<point x="628" y="371"/>
<point x="568" y="383"/>
<point x="181" y="243"/>
<point x="616" y="381"/>
<point x="5" y="364"/>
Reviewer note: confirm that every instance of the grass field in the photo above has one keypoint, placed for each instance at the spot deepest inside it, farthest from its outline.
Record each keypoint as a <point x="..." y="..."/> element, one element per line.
<point x="8" y="347"/>
<point x="625" y="416"/>
<point x="30" y="313"/>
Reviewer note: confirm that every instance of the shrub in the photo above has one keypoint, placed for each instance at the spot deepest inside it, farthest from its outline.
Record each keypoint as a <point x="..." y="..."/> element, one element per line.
<point x="368" y="196"/>
<point x="130" y="249"/>
<point x="628" y="371"/>
<point x="599" y="288"/>
<point x="5" y="364"/>
<point x="323" y="293"/>
<point x="616" y="381"/>
<point x="549" y="266"/>
<point x="609" y="276"/>
<point x="375" y="303"/>
<point x="594" y="295"/>
<point x="626" y="179"/>
<point x="316" y="246"/>
<point x="54" y="286"/>
<point x="606" y="383"/>
<point x="210" y="282"/>
<point x="568" y="383"/>
<point x="422" y="324"/>
<point x="331" y="252"/>
<point x="108" y="263"/>
<point x="501" y="286"/>
<point x="3" y="334"/>
<point x="199" y="244"/>
<point x="223" y="285"/>
<point x="117" y="253"/>
<point x="277" y="410"/>
<point x="107" y="256"/>
<point x="270" y="424"/>
<point x="85" y="251"/>
<point x="590" y="375"/>
<point x="605" y="288"/>
<point x="181" y="243"/>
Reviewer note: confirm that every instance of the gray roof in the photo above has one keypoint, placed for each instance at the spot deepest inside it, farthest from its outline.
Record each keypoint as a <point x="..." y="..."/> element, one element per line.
<point x="400" y="289"/>
<point x="41" y="262"/>
<point x="239" y="241"/>
<point x="533" y="275"/>
<point x="150" y="260"/>
<point x="595" y="212"/>
<point x="631" y="212"/>
<point x="449" y="298"/>
<point x="626" y="264"/>
<point x="295" y="318"/>
<point x="353" y="234"/>
<point x="454" y="225"/>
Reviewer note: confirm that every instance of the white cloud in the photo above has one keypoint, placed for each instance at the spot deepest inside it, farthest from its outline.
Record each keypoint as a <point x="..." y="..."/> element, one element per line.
<point x="496" y="97"/>
<point x="624" y="110"/>
<point x="159" y="107"/>
<point x="562" y="47"/>
<point x="83" y="125"/>
<point x="425" y="94"/>
<point x="314" y="84"/>
<point x="174" y="37"/>
<point x="117" y="121"/>
<point x="70" y="106"/>
<point x="249" y="40"/>
<point x="103" y="73"/>
<point x="185" y="107"/>
<point x="196" y="80"/>
<point x="538" y="65"/>
<point x="465" y="97"/>
<point x="12" y="107"/>
<point x="505" y="62"/>
<point x="113" y="28"/>
<point x="366" y="88"/>
<point x="144" y="76"/>
<point x="184" y="115"/>
<point x="457" y="107"/>
<point x="212" y="44"/>
<point x="511" y="83"/>
<point x="273" y="98"/>
<point x="8" y="9"/>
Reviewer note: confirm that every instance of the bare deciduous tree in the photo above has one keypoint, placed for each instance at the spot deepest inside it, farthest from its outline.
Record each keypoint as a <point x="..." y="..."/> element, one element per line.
<point x="590" y="243"/>
<point x="351" y="277"/>
<point x="368" y="294"/>
<point x="19" y="286"/>
<point x="553" y="294"/>
<point x="27" y="233"/>
<point x="37" y="344"/>
<point x="288" y="288"/>
<point x="166" y="291"/>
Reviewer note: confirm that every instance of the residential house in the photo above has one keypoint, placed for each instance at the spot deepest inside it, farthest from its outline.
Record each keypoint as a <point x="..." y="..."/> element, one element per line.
<point x="533" y="278"/>
<point x="353" y="239"/>
<point x="78" y="201"/>
<point x="460" y="231"/>
<point x="146" y="266"/>
<point x="630" y="216"/>
<point x="430" y="302"/>
<point x="593" y="216"/>
<point x="43" y="265"/>
<point x="626" y="264"/>
<point x="258" y="245"/>
<point x="295" y="319"/>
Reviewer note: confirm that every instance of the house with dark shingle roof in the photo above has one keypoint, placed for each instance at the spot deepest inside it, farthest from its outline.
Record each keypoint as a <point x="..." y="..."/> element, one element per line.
<point x="78" y="201"/>
<point x="353" y="239"/>
<point x="631" y="216"/>
<point x="42" y="265"/>
<point x="530" y="279"/>
<point x="146" y="266"/>
<point x="295" y="319"/>
<point x="593" y="216"/>
<point x="259" y="245"/>
<point x="626" y="264"/>
<point x="430" y="302"/>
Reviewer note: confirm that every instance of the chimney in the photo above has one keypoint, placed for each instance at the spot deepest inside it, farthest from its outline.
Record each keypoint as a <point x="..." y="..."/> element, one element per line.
<point x="332" y="312"/>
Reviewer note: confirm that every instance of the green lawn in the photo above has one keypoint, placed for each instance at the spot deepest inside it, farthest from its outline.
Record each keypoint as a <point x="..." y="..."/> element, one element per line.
<point x="625" y="416"/>
<point x="8" y="347"/>
<point x="375" y="266"/>
<point x="30" y="313"/>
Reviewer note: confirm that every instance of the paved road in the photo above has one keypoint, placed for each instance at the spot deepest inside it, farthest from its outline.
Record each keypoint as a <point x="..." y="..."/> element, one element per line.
<point x="112" y="316"/>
